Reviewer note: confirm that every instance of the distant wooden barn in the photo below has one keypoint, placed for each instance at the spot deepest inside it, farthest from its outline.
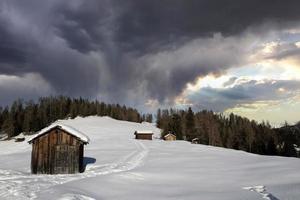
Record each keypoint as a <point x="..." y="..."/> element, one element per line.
<point x="19" y="138"/>
<point x="196" y="141"/>
<point x="170" y="137"/>
<point x="58" y="149"/>
<point x="143" y="135"/>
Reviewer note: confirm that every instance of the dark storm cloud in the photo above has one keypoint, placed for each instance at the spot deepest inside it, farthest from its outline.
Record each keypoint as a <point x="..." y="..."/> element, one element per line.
<point x="244" y="93"/>
<point x="174" y="68"/>
<point x="38" y="48"/>
<point x="159" y="21"/>
<point x="10" y="52"/>
<point x="123" y="49"/>
<point x="146" y="25"/>
<point x="26" y="87"/>
<point x="85" y="26"/>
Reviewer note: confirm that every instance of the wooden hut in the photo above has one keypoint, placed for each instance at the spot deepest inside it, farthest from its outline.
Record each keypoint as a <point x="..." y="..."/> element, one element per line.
<point x="19" y="138"/>
<point x="170" y="137"/>
<point x="196" y="141"/>
<point x="143" y="135"/>
<point x="58" y="149"/>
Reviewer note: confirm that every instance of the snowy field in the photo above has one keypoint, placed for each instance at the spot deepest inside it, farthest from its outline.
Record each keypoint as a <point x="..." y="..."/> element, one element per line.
<point x="119" y="167"/>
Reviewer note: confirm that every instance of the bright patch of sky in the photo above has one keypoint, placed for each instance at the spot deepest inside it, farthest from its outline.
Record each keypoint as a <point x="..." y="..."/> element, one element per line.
<point x="263" y="67"/>
<point x="274" y="112"/>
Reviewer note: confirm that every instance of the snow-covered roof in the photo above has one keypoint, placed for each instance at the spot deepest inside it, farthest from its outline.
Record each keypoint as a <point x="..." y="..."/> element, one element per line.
<point x="144" y="132"/>
<point x="64" y="127"/>
<point x="20" y="136"/>
<point x="169" y="134"/>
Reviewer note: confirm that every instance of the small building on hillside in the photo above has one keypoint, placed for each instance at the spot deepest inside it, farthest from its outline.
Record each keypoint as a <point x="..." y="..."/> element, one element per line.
<point x="196" y="141"/>
<point x="19" y="138"/>
<point x="143" y="135"/>
<point x="58" y="149"/>
<point x="170" y="137"/>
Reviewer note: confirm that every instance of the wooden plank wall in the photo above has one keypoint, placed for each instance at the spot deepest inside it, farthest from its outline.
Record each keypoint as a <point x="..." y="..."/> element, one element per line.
<point x="81" y="156"/>
<point x="65" y="159"/>
<point x="141" y="136"/>
<point x="170" y="138"/>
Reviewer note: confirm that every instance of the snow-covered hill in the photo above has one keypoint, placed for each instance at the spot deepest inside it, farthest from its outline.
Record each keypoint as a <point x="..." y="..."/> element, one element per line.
<point x="119" y="167"/>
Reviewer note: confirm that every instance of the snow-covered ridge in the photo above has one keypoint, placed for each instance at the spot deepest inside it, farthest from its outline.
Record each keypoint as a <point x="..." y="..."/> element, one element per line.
<point x="120" y="167"/>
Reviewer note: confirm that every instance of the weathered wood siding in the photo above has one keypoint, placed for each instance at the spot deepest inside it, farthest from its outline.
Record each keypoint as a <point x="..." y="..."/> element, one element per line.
<point x="57" y="152"/>
<point x="81" y="166"/>
<point x="170" y="137"/>
<point x="141" y="136"/>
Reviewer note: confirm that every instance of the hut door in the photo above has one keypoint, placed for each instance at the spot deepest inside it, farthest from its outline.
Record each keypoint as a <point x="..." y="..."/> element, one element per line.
<point x="65" y="160"/>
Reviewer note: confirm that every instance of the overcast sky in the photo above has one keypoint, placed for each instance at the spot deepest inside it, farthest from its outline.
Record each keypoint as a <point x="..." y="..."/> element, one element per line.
<point x="226" y="56"/>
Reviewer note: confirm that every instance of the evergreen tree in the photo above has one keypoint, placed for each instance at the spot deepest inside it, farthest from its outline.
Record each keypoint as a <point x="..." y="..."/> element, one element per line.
<point x="1" y="116"/>
<point x="271" y="147"/>
<point x="189" y="124"/>
<point x="29" y="117"/>
<point x="149" y="118"/>
<point x="175" y="126"/>
<point x="8" y="127"/>
<point x="158" y="118"/>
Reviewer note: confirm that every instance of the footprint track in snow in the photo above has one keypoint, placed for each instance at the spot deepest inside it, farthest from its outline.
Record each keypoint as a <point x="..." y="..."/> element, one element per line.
<point x="16" y="185"/>
<point x="260" y="189"/>
<point x="75" y="197"/>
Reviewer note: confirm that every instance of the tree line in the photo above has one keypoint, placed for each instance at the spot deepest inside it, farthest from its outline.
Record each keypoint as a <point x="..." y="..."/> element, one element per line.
<point x="231" y="131"/>
<point x="29" y="117"/>
<point x="210" y="128"/>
